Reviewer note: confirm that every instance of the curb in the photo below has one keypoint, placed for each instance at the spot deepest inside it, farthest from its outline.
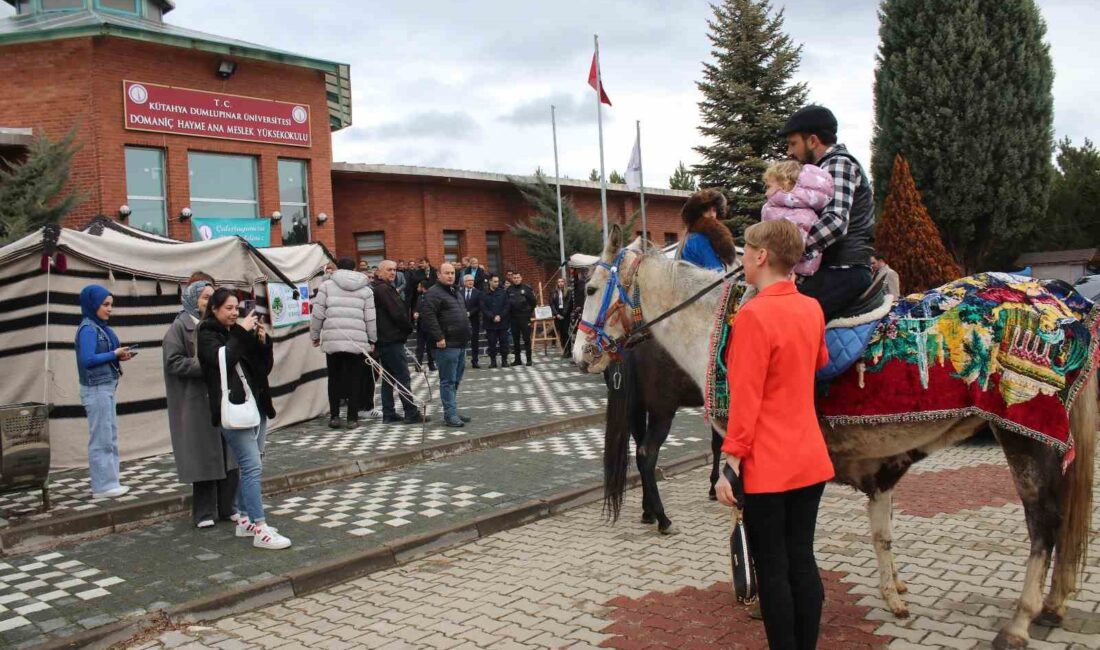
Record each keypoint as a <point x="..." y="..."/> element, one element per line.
<point x="71" y="527"/>
<point x="317" y="577"/>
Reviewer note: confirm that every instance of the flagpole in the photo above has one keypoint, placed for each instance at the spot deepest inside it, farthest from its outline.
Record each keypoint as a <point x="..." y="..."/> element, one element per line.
<point x="641" y="183"/>
<point x="557" y="180"/>
<point x="599" y="122"/>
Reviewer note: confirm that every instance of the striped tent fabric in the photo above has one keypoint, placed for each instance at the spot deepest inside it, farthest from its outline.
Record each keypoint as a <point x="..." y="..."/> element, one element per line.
<point x="146" y="277"/>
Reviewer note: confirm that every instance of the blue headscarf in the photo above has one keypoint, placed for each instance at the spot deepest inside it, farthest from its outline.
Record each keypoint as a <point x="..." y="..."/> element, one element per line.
<point x="191" y="297"/>
<point x="91" y="297"/>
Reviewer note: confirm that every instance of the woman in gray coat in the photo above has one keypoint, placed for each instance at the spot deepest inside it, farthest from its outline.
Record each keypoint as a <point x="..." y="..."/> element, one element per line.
<point x="201" y="456"/>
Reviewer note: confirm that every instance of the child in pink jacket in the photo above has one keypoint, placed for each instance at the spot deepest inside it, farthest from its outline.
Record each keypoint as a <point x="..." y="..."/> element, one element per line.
<point x="797" y="192"/>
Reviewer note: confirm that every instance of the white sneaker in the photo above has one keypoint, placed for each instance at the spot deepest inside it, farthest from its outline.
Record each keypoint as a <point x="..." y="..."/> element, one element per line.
<point x="268" y="537"/>
<point x="111" y="494"/>
<point x="376" y="414"/>
<point x="206" y="523"/>
<point x="243" y="527"/>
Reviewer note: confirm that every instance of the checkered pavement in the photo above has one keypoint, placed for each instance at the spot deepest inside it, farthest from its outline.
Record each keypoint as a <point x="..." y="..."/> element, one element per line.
<point x="30" y="589"/>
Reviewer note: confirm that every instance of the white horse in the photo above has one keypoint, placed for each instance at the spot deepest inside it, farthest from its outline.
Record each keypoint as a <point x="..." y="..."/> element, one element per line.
<point x="871" y="458"/>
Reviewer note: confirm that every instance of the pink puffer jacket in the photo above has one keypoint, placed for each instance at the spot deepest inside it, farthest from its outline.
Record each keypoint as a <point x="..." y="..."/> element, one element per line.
<point x="810" y="195"/>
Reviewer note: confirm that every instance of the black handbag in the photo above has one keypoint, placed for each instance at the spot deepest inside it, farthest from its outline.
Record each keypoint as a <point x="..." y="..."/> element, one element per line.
<point x="741" y="566"/>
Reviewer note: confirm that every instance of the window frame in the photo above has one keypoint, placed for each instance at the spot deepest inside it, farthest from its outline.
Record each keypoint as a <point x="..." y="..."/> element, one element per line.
<point x="37" y="4"/>
<point x="497" y="258"/>
<point x="305" y="206"/>
<point x="460" y="236"/>
<point x="137" y="12"/>
<point x="163" y="183"/>
<point x="671" y="238"/>
<point x="359" y="257"/>
<point x="255" y="183"/>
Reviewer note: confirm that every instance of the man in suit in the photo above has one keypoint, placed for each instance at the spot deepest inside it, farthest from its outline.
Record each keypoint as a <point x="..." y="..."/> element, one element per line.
<point x="559" y="306"/>
<point x="472" y="297"/>
<point x="473" y="270"/>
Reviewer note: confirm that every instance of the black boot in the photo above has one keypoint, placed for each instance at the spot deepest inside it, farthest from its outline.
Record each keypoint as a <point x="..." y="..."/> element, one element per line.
<point x="493" y="362"/>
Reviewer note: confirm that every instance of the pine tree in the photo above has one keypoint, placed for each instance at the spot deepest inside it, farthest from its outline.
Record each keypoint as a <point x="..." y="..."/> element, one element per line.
<point x="616" y="177"/>
<point x="747" y="97"/>
<point x="1073" y="215"/>
<point x="33" y="193"/>
<point x="682" y="179"/>
<point x="963" y="91"/>
<point x="908" y="238"/>
<point x="594" y="175"/>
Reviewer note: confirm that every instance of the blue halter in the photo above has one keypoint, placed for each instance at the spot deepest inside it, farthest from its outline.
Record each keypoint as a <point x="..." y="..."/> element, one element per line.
<point x="603" y="341"/>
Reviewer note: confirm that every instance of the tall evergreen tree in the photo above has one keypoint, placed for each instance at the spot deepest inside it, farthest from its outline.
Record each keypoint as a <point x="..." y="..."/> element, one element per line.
<point x="594" y="175"/>
<point x="682" y="179"/>
<point x="963" y="91"/>
<point x="33" y="192"/>
<point x="1073" y="215"/>
<point x="747" y="96"/>
<point x="616" y="177"/>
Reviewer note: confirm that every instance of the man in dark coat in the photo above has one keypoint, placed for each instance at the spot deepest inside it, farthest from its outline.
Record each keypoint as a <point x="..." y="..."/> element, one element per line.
<point x="495" y="314"/>
<point x="472" y="297"/>
<point x="481" y="278"/>
<point x="521" y="300"/>
<point x="423" y="273"/>
<point x="394" y="327"/>
<point x="559" y="306"/>
<point x="447" y="324"/>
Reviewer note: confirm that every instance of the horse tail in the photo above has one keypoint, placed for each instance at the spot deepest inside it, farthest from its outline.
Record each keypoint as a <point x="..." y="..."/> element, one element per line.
<point x="1073" y="536"/>
<point x="622" y="401"/>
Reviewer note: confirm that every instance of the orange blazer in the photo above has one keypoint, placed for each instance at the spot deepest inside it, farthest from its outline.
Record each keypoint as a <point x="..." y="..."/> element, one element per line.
<point x="778" y="344"/>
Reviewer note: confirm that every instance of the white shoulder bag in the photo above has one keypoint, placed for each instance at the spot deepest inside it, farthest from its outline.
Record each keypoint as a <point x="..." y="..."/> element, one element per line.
<point x="237" y="416"/>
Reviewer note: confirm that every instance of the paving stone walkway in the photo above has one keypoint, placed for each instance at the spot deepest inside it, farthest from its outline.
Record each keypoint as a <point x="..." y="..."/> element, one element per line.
<point x="575" y="581"/>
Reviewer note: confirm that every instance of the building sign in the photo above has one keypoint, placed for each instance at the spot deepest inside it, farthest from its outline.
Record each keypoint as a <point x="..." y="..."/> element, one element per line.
<point x="182" y="111"/>
<point x="284" y="308"/>
<point x="254" y="231"/>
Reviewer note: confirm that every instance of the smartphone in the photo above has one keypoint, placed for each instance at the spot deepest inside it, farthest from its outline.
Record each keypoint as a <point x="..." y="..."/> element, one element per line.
<point x="133" y="346"/>
<point x="246" y="307"/>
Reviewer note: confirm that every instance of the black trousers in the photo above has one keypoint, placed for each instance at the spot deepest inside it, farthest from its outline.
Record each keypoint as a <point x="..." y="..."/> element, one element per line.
<point x="521" y="337"/>
<point x="780" y="527"/>
<point x="392" y="357"/>
<point x="475" y="339"/>
<point x="214" y="500"/>
<point x="366" y="385"/>
<point x="561" y="327"/>
<point x="423" y="345"/>
<point x="345" y="374"/>
<point x="836" y="289"/>
<point x="496" y="344"/>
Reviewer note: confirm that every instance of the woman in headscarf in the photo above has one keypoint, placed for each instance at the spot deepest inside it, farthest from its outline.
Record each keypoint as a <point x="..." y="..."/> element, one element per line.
<point x="98" y="366"/>
<point x="708" y="243"/>
<point x="201" y="456"/>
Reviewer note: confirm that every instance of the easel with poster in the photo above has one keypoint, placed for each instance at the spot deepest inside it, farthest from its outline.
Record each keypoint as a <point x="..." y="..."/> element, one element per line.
<point x="543" y="331"/>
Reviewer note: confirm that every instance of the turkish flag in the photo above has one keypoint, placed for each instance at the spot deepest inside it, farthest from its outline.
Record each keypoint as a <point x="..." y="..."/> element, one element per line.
<point x="595" y="79"/>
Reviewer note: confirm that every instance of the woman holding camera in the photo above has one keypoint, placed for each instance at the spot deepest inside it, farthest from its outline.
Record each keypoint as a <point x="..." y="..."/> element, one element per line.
<point x="248" y="358"/>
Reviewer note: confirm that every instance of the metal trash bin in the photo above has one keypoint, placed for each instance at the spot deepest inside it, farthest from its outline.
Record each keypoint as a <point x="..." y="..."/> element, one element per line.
<point x="25" y="449"/>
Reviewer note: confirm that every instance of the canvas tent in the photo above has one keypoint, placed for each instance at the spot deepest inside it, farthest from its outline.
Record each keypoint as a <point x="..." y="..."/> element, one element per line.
<point x="146" y="274"/>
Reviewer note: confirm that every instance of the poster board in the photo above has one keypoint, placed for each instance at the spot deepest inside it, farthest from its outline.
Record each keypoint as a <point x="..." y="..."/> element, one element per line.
<point x="542" y="312"/>
<point x="285" y="309"/>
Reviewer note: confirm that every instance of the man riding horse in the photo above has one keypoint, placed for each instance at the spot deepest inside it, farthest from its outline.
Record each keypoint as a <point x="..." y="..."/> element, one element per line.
<point x="843" y="230"/>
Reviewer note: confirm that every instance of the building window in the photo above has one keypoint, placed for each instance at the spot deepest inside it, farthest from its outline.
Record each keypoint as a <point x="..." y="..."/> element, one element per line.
<point x="61" y="5"/>
<point x="145" y="189"/>
<point x="671" y="238"/>
<point x="494" y="252"/>
<point x="452" y="246"/>
<point x="371" y="247"/>
<point x="294" y="201"/>
<point x="121" y="6"/>
<point x="222" y="186"/>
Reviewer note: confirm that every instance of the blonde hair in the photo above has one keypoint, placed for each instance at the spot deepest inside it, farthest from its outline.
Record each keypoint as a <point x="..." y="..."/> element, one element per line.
<point x="784" y="173"/>
<point x="781" y="238"/>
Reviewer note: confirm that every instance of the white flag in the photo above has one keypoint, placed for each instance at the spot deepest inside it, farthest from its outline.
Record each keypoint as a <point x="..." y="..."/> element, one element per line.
<point x="634" y="167"/>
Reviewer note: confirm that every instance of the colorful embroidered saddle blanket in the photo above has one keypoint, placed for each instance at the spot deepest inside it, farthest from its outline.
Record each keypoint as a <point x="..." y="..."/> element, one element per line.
<point x="1011" y="349"/>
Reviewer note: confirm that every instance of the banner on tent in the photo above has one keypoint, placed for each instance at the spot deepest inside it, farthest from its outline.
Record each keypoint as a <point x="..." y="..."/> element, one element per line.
<point x="284" y="308"/>
<point x="254" y="231"/>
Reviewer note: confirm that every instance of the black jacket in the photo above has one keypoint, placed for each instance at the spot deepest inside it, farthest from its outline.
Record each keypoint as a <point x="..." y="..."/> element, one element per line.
<point x="394" y="324"/>
<point x="481" y="279"/>
<point x="522" y="301"/>
<point x="473" y="305"/>
<point x="854" y="248"/>
<point x="415" y="277"/>
<point x="563" y="311"/>
<point x="256" y="359"/>
<point x="493" y="304"/>
<point x="443" y="316"/>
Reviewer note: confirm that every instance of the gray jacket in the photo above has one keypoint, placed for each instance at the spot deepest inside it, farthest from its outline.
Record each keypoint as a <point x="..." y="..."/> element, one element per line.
<point x="197" y="445"/>
<point x="343" y="314"/>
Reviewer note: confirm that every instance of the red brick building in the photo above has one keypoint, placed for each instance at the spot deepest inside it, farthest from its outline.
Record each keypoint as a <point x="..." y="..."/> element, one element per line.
<point x="166" y="146"/>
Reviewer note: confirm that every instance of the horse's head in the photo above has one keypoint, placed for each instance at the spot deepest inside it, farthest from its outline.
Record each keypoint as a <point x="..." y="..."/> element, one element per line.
<point x="607" y="316"/>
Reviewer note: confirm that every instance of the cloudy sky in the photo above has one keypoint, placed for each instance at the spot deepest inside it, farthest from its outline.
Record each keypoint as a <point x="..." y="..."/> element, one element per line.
<point x="469" y="84"/>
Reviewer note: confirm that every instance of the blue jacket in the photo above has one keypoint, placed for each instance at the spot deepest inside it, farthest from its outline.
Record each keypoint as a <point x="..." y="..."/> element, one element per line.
<point x="698" y="251"/>
<point x="495" y="303"/>
<point x="96" y="363"/>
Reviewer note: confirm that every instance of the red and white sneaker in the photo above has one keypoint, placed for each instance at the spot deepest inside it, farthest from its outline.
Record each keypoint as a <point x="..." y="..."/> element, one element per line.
<point x="267" y="537"/>
<point x="244" y="527"/>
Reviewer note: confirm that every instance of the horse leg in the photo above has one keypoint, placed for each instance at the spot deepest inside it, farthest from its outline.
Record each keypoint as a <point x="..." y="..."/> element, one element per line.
<point x="716" y="455"/>
<point x="647" y="458"/>
<point x="1036" y="471"/>
<point x="880" y="509"/>
<point x="640" y="434"/>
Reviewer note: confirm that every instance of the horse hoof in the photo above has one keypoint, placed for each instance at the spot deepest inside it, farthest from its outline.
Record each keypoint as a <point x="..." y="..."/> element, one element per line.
<point x="670" y="529"/>
<point x="1006" y="641"/>
<point x="900" y="612"/>
<point x="649" y="519"/>
<point x="1049" y="618"/>
<point x="901" y="587"/>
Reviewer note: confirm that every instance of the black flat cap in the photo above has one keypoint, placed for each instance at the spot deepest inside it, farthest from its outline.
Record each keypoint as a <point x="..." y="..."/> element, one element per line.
<point x="810" y="119"/>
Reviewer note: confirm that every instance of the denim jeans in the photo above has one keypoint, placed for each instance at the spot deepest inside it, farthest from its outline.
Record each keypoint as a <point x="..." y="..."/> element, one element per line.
<point x="452" y="364"/>
<point x="99" y="404"/>
<point x="392" y="358"/>
<point x="247" y="446"/>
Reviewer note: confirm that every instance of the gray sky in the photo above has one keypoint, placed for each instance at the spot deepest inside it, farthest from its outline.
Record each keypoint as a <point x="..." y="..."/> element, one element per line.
<point x="469" y="84"/>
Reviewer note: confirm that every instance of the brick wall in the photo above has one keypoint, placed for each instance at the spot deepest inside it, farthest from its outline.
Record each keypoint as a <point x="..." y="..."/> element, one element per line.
<point x="52" y="86"/>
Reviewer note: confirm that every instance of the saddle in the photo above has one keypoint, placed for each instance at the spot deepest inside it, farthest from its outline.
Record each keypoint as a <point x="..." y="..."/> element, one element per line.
<point x="848" y="335"/>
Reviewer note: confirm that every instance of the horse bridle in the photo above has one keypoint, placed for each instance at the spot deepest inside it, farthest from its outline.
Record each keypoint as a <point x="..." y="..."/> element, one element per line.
<point x="629" y="296"/>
